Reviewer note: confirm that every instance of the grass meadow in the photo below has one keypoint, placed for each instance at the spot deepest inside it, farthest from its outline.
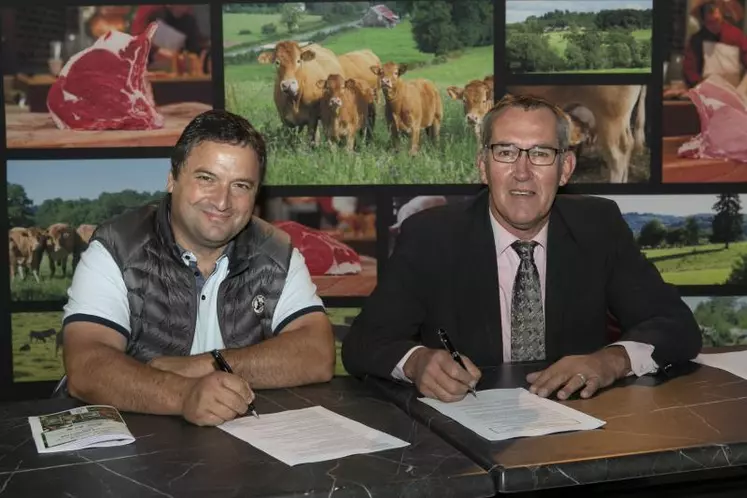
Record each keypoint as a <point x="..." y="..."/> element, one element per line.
<point x="48" y="289"/>
<point x="242" y="28"/>
<point x="249" y="92"/>
<point x="39" y="363"/>
<point x="707" y="264"/>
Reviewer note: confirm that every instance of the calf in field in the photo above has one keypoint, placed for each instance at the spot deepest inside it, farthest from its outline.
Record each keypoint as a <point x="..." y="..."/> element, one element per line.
<point x="477" y="97"/>
<point x="347" y="108"/>
<point x="26" y="246"/>
<point x="410" y="105"/>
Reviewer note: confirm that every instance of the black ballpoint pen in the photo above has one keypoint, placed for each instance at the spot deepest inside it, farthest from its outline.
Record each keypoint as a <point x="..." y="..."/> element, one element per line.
<point x="223" y="365"/>
<point x="453" y="352"/>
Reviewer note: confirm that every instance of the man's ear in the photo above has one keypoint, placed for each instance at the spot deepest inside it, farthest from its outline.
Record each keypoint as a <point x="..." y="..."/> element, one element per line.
<point x="567" y="167"/>
<point x="481" y="163"/>
<point x="170" y="181"/>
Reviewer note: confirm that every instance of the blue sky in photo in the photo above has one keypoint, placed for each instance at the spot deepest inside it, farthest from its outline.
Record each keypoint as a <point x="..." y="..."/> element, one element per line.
<point x="677" y="205"/>
<point x="87" y="179"/>
<point x="519" y="10"/>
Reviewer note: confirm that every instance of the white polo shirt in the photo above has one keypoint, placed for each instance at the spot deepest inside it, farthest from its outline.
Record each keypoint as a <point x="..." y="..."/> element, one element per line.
<point x="98" y="294"/>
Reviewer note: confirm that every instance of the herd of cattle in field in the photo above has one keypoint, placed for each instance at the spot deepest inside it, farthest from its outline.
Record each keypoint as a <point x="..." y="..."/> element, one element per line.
<point x="314" y="85"/>
<point x="27" y="245"/>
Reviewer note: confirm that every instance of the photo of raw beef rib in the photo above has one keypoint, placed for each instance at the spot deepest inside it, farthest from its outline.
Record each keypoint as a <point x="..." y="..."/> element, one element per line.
<point x="723" y="122"/>
<point x="104" y="88"/>
<point x="324" y="255"/>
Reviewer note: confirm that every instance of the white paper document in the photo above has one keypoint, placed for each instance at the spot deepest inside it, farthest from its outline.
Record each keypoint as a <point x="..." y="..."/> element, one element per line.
<point x="735" y="363"/>
<point x="498" y="414"/>
<point x="307" y="435"/>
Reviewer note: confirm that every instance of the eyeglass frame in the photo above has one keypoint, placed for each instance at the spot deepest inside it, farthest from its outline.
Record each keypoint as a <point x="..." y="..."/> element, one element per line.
<point x="557" y="151"/>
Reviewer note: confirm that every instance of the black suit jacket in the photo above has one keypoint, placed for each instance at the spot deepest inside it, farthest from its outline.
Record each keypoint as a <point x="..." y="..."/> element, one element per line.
<point x="443" y="274"/>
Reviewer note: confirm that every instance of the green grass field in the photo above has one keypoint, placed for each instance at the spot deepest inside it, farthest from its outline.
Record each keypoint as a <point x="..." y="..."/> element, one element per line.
<point x="294" y="162"/>
<point x="39" y="363"/>
<point x="699" y="267"/>
<point x="48" y="289"/>
<point x="235" y="22"/>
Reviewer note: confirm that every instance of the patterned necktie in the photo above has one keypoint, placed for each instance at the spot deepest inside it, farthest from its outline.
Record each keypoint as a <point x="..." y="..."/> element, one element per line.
<point x="527" y="316"/>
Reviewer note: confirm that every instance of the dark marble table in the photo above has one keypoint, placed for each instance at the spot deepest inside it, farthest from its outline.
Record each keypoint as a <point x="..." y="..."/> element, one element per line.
<point x="691" y="426"/>
<point x="174" y="458"/>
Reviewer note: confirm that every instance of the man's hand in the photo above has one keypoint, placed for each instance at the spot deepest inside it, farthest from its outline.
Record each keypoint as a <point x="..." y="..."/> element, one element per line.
<point x="216" y="398"/>
<point x="437" y="375"/>
<point x="590" y="372"/>
<point x="186" y="366"/>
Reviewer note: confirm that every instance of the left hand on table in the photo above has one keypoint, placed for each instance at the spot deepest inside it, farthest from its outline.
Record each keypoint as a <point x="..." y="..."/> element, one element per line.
<point x="587" y="372"/>
<point x="186" y="366"/>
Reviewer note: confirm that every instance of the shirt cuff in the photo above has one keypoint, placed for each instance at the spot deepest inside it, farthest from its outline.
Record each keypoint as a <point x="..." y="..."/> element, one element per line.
<point x="641" y="361"/>
<point x="399" y="370"/>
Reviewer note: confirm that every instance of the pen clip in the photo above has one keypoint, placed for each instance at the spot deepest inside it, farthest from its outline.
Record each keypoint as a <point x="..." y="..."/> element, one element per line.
<point x="447" y="344"/>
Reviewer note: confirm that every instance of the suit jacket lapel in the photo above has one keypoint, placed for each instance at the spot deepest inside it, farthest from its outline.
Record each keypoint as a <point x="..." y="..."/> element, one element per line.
<point x="476" y="284"/>
<point x="563" y="266"/>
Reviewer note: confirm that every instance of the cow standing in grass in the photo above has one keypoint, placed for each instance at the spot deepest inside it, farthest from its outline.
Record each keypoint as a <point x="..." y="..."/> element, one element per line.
<point x="410" y="105"/>
<point x="357" y="65"/>
<point x="347" y="109"/>
<point x="63" y="241"/>
<point x="296" y="93"/>
<point x="26" y="246"/>
<point x="477" y="97"/>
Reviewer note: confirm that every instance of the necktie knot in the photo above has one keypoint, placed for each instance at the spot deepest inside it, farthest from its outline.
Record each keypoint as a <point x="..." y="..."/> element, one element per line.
<point x="525" y="249"/>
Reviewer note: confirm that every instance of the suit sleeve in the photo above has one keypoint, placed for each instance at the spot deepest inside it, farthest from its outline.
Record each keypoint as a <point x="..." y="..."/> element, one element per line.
<point x="650" y="311"/>
<point x="389" y="324"/>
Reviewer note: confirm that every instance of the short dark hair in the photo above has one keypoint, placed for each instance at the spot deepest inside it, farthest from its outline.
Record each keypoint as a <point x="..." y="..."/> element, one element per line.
<point x="223" y="127"/>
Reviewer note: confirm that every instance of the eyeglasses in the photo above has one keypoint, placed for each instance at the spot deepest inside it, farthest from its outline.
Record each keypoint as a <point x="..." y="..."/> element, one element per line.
<point x="538" y="155"/>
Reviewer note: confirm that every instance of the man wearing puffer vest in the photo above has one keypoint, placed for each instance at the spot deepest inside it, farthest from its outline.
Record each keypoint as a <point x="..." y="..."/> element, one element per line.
<point x="163" y="287"/>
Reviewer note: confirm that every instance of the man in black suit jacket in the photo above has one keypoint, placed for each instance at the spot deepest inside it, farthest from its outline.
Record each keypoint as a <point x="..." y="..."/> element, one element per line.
<point x="460" y="268"/>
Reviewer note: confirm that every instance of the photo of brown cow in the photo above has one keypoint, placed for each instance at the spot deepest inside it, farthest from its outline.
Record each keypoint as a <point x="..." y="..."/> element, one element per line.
<point x="609" y="129"/>
<point x="51" y="222"/>
<point x="704" y="114"/>
<point x="336" y="237"/>
<point x="360" y="93"/>
<point x="105" y="76"/>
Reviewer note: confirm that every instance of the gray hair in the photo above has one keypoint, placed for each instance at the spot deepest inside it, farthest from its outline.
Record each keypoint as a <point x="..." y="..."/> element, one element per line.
<point x="528" y="103"/>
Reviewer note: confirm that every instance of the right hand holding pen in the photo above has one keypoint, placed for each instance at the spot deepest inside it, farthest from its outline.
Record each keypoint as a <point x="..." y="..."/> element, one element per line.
<point x="437" y="375"/>
<point x="216" y="398"/>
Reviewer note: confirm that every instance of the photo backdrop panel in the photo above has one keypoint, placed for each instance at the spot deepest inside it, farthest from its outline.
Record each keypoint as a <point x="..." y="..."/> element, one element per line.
<point x="279" y="58"/>
<point x="335" y="235"/>
<point x="704" y="115"/>
<point x="37" y="346"/>
<point x="53" y="208"/>
<point x="105" y="89"/>
<point x="341" y="319"/>
<point x="722" y="319"/>
<point x="610" y="130"/>
<point x="691" y="239"/>
<point x="404" y="207"/>
<point x="581" y="36"/>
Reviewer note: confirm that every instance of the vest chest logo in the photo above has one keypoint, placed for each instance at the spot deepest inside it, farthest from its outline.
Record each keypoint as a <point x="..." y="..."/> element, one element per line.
<point x="258" y="304"/>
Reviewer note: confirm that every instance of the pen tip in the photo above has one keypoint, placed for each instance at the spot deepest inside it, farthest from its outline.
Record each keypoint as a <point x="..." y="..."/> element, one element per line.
<point x="255" y="414"/>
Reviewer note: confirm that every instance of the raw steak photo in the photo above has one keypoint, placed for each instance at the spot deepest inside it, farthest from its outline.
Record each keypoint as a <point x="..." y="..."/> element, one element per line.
<point x="324" y="255"/>
<point x="723" y="122"/>
<point x="104" y="87"/>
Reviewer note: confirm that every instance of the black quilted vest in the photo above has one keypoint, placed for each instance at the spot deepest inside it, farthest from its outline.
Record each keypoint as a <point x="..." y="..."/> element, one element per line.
<point x="161" y="289"/>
